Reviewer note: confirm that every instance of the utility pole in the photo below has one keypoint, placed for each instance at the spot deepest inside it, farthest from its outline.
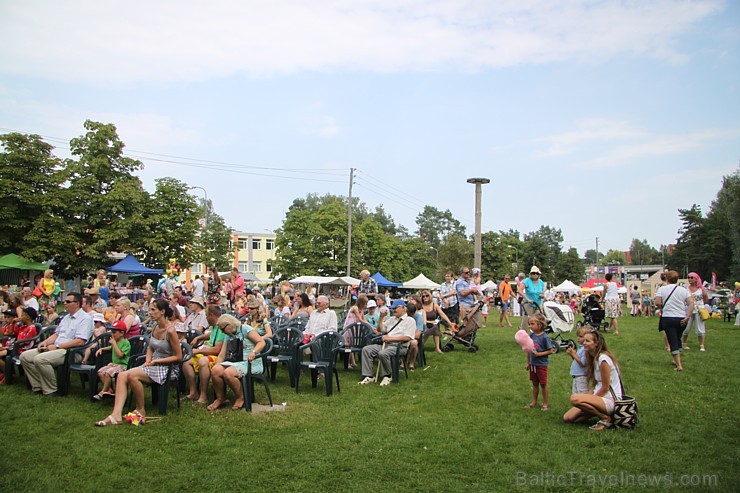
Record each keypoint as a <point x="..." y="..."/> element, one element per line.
<point x="478" y="182"/>
<point x="597" y="251"/>
<point x="349" y="221"/>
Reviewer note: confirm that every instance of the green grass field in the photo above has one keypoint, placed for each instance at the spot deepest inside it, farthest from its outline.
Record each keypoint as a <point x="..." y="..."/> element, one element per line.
<point x="459" y="425"/>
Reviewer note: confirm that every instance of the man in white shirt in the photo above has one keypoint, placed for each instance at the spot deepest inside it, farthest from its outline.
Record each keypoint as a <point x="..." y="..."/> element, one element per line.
<point x="398" y="331"/>
<point x="197" y="318"/>
<point x="29" y="300"/>
<point x="198" y="287"/>
<point x="322" y="319"/>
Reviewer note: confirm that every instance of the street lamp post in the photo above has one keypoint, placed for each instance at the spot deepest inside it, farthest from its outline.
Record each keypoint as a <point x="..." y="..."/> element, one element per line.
<point x="205" y="205"/>
<point x="516" y="256"/>
<point x="478" y="182"/>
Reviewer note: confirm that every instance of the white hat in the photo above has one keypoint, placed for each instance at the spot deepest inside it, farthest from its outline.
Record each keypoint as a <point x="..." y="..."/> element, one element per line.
<point x="534" y="269"/>
<point x="371" y="304"/>
<point x="98" y="317"/>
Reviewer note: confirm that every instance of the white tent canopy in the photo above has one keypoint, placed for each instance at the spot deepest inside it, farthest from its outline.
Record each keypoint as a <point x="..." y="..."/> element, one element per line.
<point x="420" y="282"/>
<point x="488" y="285"/>
<point x="567" y="287"/>
<point x="320" y="280"/>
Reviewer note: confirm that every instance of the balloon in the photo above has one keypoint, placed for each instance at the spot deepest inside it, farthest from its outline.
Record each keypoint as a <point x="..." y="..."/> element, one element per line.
<point x="524" y="341"/>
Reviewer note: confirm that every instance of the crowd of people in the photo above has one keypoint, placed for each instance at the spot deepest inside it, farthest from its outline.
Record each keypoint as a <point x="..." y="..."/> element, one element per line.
<point x="223" y="308"/>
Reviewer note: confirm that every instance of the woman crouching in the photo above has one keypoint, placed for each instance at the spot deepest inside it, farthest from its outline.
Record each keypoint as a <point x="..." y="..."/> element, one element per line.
<point x="602" y="371"/>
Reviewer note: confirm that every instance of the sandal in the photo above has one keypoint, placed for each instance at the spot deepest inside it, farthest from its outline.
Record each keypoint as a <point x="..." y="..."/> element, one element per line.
<point x="530" y="406"/>
<point x="545" y="407"/>
<point x="601" y="426"/>
<point x="110" y="420"/>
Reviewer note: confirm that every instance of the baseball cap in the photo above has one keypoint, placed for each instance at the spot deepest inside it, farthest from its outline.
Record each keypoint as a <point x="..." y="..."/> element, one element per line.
<point x="119" y="325"/>
<point x="397" y="303"/>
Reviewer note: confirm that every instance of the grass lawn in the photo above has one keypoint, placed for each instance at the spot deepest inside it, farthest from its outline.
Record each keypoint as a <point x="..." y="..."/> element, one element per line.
<point x="459" y="425"/>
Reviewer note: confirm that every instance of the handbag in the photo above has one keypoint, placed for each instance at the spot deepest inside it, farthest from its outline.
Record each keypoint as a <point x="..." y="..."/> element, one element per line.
<point x="665" y="302"/>
<point x="704" y="313"/>
<point x="625" y="409"/>
<point x="235" y="349"/>
<point x="37" y="292"/>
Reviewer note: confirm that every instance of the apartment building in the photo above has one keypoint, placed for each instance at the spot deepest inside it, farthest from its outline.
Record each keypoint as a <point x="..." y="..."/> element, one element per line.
<point x="254" y="253"/>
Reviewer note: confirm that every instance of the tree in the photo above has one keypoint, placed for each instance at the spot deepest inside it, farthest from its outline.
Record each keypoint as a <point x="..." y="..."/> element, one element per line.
<point x="497" y="258"/>
<point x="641" y="253"/>
<point x="542" y="248"/>
<point x="211" y="245"/>
<point x="29" y="179"/>
<point x="688" y="251"/>
<point x="173" y="218"/>
<point x="615" y="257"/>
<point x="589" y="257"/>
<point x="570" y="267"/>
<point x="454" y="252"/>
<point x="102" y="209"/>
<point x="433" y="225"/>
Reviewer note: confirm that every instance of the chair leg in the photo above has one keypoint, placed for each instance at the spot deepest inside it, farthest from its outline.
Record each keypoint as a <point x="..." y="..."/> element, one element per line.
<point x="164" y="391"/>
<point x="328" y="381"/>
<point x="297" y="378"/>
<point x="246" y="393"/>
<point x="273" y="371"/>
<point x="314" y="378"/>
<point x="336" y="375"/>
<point x="93" y="384"/>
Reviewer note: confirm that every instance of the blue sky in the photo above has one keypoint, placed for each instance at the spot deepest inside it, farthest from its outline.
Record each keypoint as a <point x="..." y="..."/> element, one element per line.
<point x="600" y="118"/>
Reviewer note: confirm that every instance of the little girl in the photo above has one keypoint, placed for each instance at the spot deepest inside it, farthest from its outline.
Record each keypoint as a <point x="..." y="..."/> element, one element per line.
<point x="578" y="367"/>
<point x="120" y="348"/>
<point x="538" y="360"/>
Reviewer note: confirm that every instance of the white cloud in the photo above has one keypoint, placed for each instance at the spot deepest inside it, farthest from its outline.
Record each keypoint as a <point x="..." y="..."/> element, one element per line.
<point x="145" y="42"/>
<point x="323" y="126"/>
<point x="588" y="131"/>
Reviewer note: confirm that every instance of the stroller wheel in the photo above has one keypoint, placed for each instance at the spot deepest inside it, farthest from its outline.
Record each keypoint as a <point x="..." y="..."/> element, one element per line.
<point x="447" y="348"/>
<point x="571" y="343"/>
<point x="579" y="324"/>
<point x="476" y="347"/>
<point x="472" y="349"/>
<point x="556" y="347"/>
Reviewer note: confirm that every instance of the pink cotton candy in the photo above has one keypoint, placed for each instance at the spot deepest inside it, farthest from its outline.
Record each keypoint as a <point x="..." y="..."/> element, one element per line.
<point x="524" y="341"/>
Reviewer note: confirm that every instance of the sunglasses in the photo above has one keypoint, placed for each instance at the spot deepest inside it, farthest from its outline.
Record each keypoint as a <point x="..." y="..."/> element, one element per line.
<point x="466" y="272"/>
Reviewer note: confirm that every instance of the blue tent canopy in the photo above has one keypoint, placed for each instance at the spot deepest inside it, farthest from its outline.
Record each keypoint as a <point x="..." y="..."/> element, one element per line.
<point x="385" y="283"/>
<point x="132" y="266"/>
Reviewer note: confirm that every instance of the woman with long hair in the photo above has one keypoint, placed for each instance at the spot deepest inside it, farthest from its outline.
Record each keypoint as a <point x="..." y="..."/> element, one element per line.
<point x="302" y="307"/>
<point x="164" y="349"/>
<point x="433" y="312"/>
<point x="701" y="298"/>
<point x="602" y="370"/>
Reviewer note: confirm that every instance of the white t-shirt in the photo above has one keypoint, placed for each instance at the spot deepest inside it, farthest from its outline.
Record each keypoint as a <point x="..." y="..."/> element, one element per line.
<point x="198" y="288"/>
<point x="676" y="306"/>
<point x="33" y="303"/>
<point x="612" y="292"/>
<point x="613" y="377"/>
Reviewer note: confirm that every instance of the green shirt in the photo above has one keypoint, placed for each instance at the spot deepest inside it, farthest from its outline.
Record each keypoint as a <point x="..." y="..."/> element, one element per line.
<point x="217" y="336"/>
<point x="125" y="347"/>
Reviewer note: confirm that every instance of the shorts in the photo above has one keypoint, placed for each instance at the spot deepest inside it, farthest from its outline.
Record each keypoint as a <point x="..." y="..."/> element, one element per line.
<point x="505" y="305"/>
<point x="580" y="385"/>
<point x="195" y="361"/>
<point x="539" y="375"/>
<point x="608" y="405"/>
<point x="111" y="370"/>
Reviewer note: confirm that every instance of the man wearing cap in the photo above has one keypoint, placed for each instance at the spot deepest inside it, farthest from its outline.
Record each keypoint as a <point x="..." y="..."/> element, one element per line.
<point x="466" y="297"/>
<point x="398" y="330"/>
<point x="322" y="319"/>
<point x="197" y="318"/>
<point x="534" y="288"/>
<point x="74" y="330"/>
<point x="98" y="304"/>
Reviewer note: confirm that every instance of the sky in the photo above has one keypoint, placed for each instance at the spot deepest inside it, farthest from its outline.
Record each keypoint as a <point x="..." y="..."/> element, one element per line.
<point x="601" y="118"/>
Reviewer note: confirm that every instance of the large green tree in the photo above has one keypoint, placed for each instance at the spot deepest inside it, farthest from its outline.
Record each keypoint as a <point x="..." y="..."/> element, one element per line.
<point x="433" y="225"/>
<point x="570" y="267"/>
<point x="641" y="253"/>
<point x="101" y="209"/>
<point x="29" y="179"/>
<point x="213" y="239"/>
<point x="173" y="218"/>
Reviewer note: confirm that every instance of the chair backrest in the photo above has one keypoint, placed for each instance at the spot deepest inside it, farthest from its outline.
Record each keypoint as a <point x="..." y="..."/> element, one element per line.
<point x="286" y="340"/>
<point x="45" y="333"/>
<point x="341" y="316"/>
<point x="277" y="322"/>
<point x="138" y="346"/>
<point x="191" y="334"/>
<point x="360" y="334"/>
<point x="97" y="342"/>
<point x="266" y="350"/>
<point x="325" y="346"/>
<point x="297" y="323"/>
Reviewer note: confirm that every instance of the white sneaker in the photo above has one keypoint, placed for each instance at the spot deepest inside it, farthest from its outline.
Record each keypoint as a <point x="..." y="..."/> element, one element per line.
<point x="367" y="380"/>
<point x="386" y="382"/>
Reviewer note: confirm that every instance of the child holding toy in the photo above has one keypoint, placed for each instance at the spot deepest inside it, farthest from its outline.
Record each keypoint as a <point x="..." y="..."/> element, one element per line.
<point x="538" y="360"/>
<point x="578" y="367"/>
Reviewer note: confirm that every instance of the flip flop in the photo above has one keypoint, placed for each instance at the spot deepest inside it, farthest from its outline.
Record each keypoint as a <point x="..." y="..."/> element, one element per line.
<point x="109" y="421"/>
<point x="601" y="426"/>
<point x="545" y="408"/>
<point x="530" y="406"/>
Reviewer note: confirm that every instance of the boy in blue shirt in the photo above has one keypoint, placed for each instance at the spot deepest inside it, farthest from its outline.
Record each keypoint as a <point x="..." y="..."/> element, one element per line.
<point x="538" y="360"/>
<point x="578" y="367"/>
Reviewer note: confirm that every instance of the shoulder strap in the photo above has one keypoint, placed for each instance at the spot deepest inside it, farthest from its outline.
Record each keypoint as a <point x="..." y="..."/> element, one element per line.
<point x="669" y="296"/>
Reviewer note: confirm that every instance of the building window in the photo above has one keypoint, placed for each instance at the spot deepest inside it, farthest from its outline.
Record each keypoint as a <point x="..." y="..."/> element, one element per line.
<point x="257" y="266"/>
<point x="269" y="267"/>
<point x="242" y="244"/>
<point x="243" y="266"/>
<point x="196" y="269"/>
<point x="269" y="244"/>
<point x="256" y="244"/>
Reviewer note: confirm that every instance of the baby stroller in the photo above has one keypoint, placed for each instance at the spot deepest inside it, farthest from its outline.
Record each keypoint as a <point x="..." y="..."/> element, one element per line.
<point x="465" y="336"/>
<point x="559" y="321"/>
<point x="593" y="314"/>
